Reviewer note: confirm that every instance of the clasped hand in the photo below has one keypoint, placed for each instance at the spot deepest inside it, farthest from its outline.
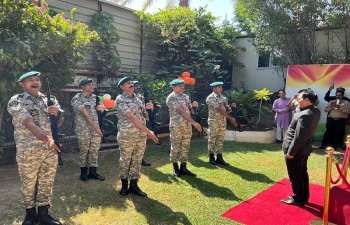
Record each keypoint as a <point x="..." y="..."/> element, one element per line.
<point x="53" y="110"/>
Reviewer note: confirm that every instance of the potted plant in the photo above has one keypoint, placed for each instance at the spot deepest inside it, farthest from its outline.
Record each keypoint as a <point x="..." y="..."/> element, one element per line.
<point x="257" y="113"/>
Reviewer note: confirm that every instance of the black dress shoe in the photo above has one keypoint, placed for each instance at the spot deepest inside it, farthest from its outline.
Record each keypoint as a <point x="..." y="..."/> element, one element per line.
<point x="291" y="201"/>
<point x="144" y="163"/>
<point x="305" y="202"/>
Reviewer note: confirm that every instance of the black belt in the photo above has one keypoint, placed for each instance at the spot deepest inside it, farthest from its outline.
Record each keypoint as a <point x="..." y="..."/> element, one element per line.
<point x="336" y="118"/>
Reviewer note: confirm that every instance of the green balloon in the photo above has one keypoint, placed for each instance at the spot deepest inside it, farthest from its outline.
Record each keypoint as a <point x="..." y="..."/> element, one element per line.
<point x="101" y="98"/>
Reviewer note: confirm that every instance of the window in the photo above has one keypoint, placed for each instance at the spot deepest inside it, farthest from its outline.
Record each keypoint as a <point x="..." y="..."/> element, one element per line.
<point x="264" y="60"/>
<point x="270" y="59"/>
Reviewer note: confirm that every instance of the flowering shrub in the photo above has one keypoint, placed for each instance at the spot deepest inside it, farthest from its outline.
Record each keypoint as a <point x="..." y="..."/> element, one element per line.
<point x="261" y="95"/>
<point x="32" y="39"/>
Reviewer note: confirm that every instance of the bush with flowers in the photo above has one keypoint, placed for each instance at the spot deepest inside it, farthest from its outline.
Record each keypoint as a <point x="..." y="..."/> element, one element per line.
<point x="33" y="39"/>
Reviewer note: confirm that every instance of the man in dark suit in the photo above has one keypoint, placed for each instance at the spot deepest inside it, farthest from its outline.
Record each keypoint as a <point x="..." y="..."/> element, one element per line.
<point x="297" y="147"/>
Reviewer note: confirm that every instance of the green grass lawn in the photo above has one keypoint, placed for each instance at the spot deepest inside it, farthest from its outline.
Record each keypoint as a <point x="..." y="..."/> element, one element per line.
<point x="171" y="200"/>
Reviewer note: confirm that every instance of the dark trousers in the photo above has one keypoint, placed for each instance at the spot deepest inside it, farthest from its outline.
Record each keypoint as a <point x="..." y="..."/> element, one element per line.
<point x="335" y="130"/>
<point x="298" y="176"/>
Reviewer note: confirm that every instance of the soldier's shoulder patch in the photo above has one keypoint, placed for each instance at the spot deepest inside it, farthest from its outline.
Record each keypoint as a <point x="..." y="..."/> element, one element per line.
<point x="119" y="101"/>
<point x="76" y="97"/>
<point x="15" y="105"/>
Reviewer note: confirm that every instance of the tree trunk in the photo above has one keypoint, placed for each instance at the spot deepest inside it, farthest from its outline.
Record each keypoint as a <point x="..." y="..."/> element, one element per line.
<point x="184" y="3"/>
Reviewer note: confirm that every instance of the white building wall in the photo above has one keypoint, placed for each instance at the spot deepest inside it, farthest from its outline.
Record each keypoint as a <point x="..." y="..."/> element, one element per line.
<point x="252" y="76"/>
<point x="273" y="77"/>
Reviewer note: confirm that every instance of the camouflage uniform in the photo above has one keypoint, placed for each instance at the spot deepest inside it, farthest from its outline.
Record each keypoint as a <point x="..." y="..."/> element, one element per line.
<point x="216" y="122"/>
<point x="37" y="164"/>
<point x="180" y="128"/>
<point x="141" y="97"/>
<point x="88" y="139"/>
<point x="131" y="140"/>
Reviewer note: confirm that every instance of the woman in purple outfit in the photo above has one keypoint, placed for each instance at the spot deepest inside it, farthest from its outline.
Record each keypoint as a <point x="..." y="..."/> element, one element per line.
<point x="283" y="115"/>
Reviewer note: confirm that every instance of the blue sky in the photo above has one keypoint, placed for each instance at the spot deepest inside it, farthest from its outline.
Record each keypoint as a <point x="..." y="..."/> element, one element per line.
<point x="221" y="9"/>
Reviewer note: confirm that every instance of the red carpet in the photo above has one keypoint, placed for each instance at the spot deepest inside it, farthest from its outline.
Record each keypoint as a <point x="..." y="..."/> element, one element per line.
<point x="266" y="208"/>
<point x="339" y="204"/>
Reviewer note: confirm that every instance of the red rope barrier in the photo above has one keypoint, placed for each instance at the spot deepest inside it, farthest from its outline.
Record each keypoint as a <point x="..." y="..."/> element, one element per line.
<point x="342" y="175"/>
<point x="341" y="170"/>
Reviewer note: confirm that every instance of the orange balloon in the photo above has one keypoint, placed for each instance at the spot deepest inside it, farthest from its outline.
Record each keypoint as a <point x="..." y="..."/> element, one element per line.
<point x="187" y="80"/>
<point x="108" y="103"/>
<point x="180" y="78"/>
<point x="193" y="81"/>
<point x="185" y="74"/>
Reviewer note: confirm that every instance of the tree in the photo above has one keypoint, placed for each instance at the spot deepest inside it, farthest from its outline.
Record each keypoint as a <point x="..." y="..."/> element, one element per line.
<point x="32" y="38"/>
<point x="289" y="26"/>
<point x="148" y="3"/>
<point x="188" y="40"/>
<point x="338" y="16"/>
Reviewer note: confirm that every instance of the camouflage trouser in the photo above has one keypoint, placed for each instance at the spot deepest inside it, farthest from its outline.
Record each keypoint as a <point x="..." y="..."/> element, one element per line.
<point x="132" y="147"/>
<point x="180" y="138"/>
<point x="89" y="144"/>
<point x="216" y="136"/>
<point x="37" y="170"/>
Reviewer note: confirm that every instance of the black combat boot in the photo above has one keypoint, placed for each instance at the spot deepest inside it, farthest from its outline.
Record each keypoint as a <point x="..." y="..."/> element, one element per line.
<point x="221" y="161"/>
<point x="30" y="217"/>
<point x="124" y="191"/>
<point x="134" y="188"/>
<point x="176" y="170"/>
<point x="185" y="171"/>
<point x="94" y="175"/>
<point x="83" y="173"/>
<point x="44" y="218"/>
<point x="144" y="163"/>
<point x="212" y="159"/>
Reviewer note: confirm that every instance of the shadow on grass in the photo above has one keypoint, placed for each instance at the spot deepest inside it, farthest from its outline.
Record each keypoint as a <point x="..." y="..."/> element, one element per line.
<point x="158" y="213"/>
<point x="210" y="189"/>
<point x="249" y="176"/>
<point x="155" y="175"/>
<point x="197" y="162"/>
<point x="74" y="197"/>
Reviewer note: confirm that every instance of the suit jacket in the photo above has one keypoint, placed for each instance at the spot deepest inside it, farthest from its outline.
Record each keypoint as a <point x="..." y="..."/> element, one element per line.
<point x="298" y="138"/>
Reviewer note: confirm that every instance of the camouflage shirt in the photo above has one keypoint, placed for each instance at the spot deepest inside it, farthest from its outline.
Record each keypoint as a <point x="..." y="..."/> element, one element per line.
<point x="213" y="101"/>
<point x="23" y="106"/>
<point x="125" y="104"/>
<point x="173" y="102"/>
<point x="141" y="97"/>
<point x="80" y="101"/>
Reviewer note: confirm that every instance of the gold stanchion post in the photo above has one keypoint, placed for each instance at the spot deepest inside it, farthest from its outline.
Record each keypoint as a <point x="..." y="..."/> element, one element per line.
<point x="327" y="187"/>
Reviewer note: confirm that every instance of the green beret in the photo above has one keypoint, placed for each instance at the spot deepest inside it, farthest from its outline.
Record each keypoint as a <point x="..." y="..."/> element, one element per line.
<point x="135" y="81"/>
<point x="123" y="80"/>
<point x="176" y="82"/>
<point x="85" y="81"/>
<point x="217" y="83"/>
<point x="29" y="74"/>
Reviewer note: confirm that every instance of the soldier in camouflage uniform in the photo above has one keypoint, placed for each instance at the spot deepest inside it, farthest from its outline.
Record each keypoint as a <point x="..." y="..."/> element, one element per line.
<point x="131" y="137"/>
<point x="36" y="151"/>
<point x="218" y="112"/>
<point x="180" y="127"/>
<point x="148" y="105"/>
<point x="87" y="129"/>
